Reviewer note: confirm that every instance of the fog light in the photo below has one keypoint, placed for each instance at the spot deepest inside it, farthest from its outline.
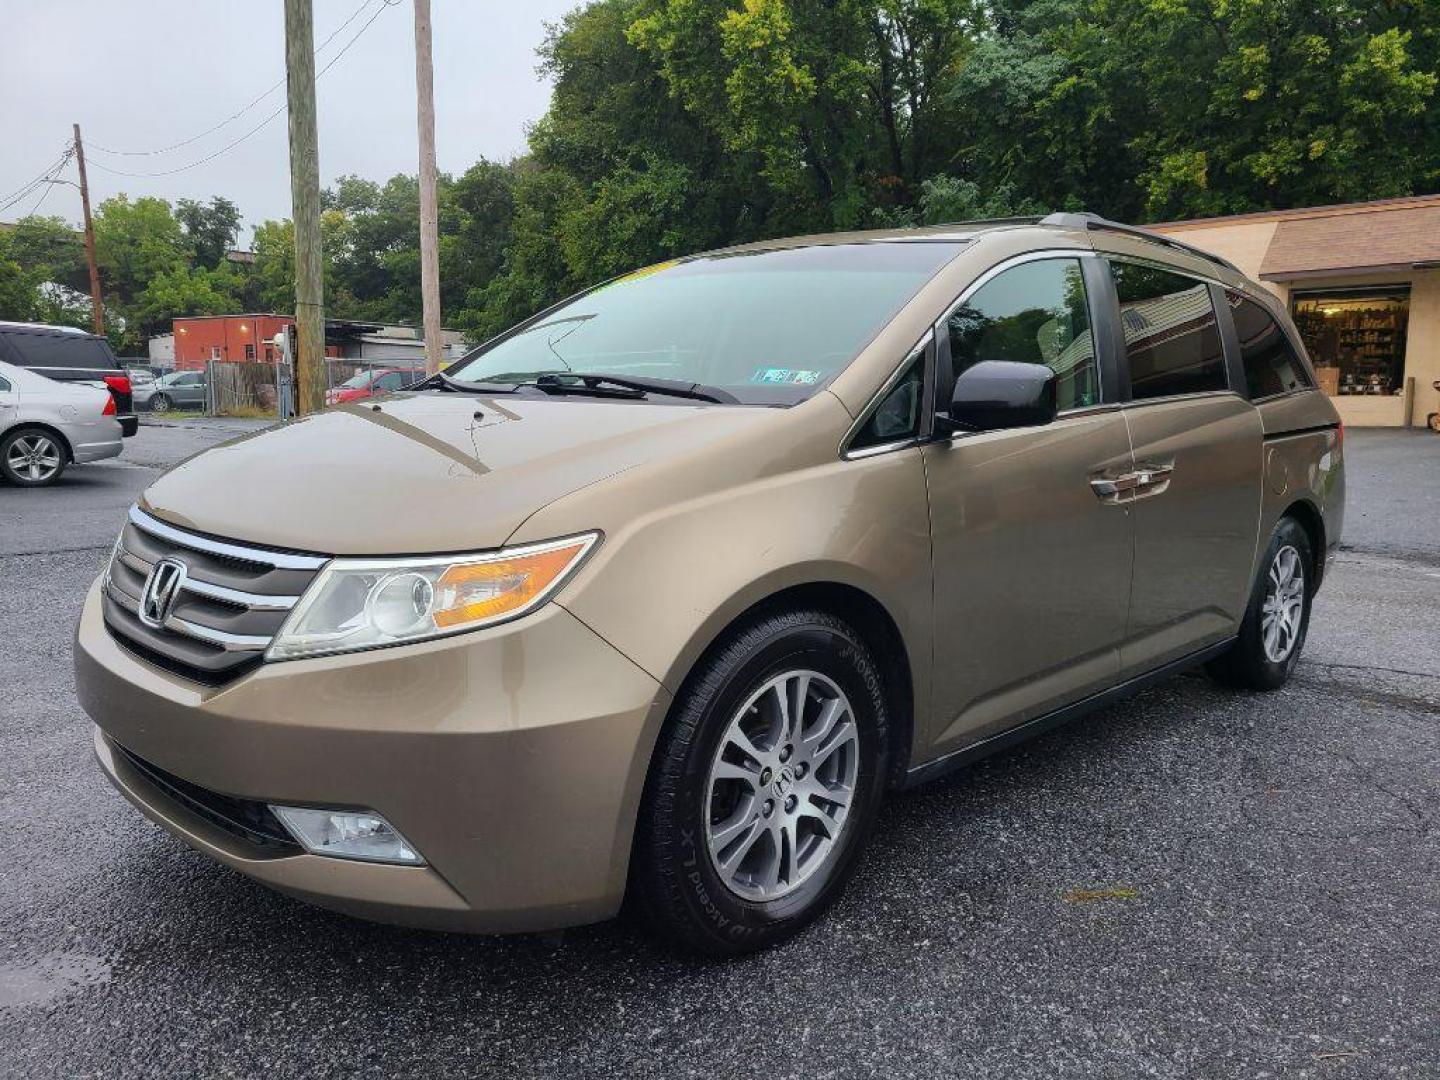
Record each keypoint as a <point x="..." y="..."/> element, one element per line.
<point x="348" y="834"/>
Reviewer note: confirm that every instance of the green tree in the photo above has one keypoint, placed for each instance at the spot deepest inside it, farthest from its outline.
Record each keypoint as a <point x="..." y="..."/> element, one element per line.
<point x="42" y="270"/>
<point x="209" y="228"/>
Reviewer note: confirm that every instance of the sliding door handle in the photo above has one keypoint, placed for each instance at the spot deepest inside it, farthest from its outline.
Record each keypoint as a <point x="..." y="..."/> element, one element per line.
<point x="1152" y="473"/>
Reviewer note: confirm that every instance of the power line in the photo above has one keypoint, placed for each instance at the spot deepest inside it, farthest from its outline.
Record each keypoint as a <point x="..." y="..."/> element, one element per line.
<point x="49" y="187"/>
<point x="231" y="146"/>
<point x="26" y="188"/>
<point x="240" y="112"/>
<point x="43" y="180"/>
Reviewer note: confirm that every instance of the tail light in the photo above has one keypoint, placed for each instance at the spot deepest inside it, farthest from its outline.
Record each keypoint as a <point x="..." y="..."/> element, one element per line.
<point x="109" y="409"/>
<point x="120" y="384"/>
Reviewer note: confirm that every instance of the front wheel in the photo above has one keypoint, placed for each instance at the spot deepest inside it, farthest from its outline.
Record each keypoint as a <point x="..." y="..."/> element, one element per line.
<point x="1278" y="616"/>
<point x="765" y="785"/>
<point x="31" y="458"/>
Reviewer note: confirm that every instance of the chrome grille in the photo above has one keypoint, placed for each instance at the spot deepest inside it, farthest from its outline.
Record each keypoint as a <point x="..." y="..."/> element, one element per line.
<point x="232" y="598"/>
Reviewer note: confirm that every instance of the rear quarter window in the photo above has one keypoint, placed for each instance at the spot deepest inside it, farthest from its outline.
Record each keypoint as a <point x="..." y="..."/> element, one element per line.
<point x="61" y="351"/>
<point x="1272" y="365"/>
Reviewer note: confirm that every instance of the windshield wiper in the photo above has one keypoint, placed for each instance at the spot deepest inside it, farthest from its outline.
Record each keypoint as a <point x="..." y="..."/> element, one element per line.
<point x="597" y="381"/>
<point x="441" y="381"/>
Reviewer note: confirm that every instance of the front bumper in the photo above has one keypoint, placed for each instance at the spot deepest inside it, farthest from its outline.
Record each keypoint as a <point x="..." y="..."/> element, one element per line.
<point x="512" y="758"/>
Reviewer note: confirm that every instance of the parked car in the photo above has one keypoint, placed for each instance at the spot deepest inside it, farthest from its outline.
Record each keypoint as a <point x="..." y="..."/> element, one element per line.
<point x="175" y="390"/>
<point x="371" y="381"/>
<point x="660" y="591"/>
<point x="64" y="354"/>
<point x="142" y="365"/>
<point x="46" y="425"/>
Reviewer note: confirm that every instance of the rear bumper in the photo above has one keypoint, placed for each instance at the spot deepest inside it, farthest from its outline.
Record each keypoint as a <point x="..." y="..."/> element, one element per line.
<point x="513" y="759"/>
<point x="94" y="451"/>
<point x="129" y="425"/>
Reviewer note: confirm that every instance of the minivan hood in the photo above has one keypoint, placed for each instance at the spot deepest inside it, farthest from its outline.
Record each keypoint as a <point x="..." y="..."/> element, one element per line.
<point x="423" y="473"/>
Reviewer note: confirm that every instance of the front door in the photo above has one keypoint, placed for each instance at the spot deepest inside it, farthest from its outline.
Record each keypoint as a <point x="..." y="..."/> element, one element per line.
<point x="1199" y="447"/>
<point x="1032" y="557"/>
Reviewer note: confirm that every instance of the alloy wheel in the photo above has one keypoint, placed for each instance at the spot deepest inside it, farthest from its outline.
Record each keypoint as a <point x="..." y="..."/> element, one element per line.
<point x="34" y="457"/>
<point x="1284" y="605"/>
<point x="782" y="785"/>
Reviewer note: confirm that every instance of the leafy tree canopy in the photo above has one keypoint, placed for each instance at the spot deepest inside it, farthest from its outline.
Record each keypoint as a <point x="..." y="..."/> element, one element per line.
<point x="680" y="125"/>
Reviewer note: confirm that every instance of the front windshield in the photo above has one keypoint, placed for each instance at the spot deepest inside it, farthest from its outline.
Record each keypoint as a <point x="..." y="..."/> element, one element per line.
<point x="771" y="327"/>
<point x="358" y="381"/>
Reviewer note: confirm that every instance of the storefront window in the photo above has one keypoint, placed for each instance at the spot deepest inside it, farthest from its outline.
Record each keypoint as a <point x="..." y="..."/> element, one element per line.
<point x="1356" y="338"/>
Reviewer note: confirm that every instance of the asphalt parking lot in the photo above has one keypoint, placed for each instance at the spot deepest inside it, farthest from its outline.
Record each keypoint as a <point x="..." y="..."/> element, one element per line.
<point x="1196" y="883"/>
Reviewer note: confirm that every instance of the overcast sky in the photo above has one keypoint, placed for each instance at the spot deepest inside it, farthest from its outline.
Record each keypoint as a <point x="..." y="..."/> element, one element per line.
<point x="144" y="74"/>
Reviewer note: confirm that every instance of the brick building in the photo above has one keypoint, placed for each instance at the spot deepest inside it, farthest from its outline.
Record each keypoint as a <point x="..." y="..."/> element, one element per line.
<point x="241" y="338"/>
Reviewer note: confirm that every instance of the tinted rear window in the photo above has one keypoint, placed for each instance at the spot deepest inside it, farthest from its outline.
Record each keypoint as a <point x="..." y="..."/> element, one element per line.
<point x="1271" y="364"/>
<point x="61" y="351"/>
<point x="1172" y="338"/>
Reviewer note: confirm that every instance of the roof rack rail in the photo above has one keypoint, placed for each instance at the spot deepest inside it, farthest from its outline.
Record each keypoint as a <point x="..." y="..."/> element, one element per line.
<point x="1095" y="221"/>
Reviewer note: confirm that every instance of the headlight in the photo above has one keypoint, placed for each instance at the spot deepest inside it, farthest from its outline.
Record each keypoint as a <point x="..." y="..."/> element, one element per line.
<point x="367" y="603"/>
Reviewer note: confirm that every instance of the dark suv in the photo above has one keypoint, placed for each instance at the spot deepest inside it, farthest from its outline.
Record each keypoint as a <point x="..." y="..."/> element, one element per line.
<point x="65" y="354"/>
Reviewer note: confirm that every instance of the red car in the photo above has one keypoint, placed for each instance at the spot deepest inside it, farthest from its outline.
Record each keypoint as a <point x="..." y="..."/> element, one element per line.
<point x="372" y="381"/>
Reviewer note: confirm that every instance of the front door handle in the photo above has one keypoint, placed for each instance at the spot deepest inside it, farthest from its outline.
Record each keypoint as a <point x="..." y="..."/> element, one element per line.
<point x="1112" y="488"/>
<point x="1146" y="479"/>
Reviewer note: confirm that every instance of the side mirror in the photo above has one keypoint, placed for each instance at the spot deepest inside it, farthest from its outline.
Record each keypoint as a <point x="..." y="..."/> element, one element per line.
<point x="997" y="394"/>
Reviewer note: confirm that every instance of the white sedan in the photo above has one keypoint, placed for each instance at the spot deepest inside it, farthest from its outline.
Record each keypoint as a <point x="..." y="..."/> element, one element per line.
<point x="46" y="425"/>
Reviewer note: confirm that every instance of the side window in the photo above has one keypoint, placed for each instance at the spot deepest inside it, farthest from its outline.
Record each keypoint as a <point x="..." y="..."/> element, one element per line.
<point x="5" y="386"/>
<point x="1172" y="339"/>
<point x="45" y="350"/>
<point x="897" y="417"/>
<point x="1271" y="365"/>
<point x="390" y="381"/>
<point x="1034" y="313"/>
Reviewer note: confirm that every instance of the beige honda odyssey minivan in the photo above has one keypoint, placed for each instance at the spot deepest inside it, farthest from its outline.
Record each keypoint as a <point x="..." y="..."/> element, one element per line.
<point x="655" y="595"/>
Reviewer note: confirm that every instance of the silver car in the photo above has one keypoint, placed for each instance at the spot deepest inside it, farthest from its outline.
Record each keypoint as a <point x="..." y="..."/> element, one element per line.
<point x="46" y="425"/>
<point x="175" y="389"/>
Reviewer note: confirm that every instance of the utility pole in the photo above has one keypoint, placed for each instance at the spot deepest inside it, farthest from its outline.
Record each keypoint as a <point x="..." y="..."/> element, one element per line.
<point x="97" y="309"/>
<point x="429" y="205"/>
<point x="305" y="199"/>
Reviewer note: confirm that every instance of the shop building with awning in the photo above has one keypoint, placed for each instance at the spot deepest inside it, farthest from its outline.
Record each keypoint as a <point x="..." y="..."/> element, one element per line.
<point x="1362" y="281"/>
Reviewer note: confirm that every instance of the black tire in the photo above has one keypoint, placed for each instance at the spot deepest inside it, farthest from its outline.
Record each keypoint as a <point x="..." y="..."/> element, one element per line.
<point x="1247" y="664"/>
<point x="160" y="403"/>
<point x="55" y="449"/>
<point x="674" y="880"/>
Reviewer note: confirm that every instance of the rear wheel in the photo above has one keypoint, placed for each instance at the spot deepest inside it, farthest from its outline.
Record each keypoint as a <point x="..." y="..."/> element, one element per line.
<point x="32" y="457"/>
<point x="1273" y="631"/>
<point x="765" y="785"/>
<point x="160" y="403"/>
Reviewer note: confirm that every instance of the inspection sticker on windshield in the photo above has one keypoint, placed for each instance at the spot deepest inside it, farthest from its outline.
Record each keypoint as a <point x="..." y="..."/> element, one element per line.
<point x="784" y="375"/>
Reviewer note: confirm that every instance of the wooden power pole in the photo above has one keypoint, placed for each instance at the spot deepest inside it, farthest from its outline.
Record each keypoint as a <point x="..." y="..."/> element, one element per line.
<point x="429" y="204"/>
<point x="97" y="308"/>
<point x="305" y="198"/>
